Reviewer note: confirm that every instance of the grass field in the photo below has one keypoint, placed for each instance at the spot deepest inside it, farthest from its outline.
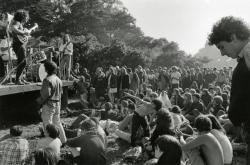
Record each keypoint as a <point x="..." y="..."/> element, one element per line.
<point x="115" y="148"/>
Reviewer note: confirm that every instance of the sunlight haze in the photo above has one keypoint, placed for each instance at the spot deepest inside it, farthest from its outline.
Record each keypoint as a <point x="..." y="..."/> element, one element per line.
<point x="187" y="22"/>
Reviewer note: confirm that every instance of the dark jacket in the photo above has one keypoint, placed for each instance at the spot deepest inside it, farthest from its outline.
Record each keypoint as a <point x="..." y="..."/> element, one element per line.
<point x="239" y="108"/>
<point x="124" y="81"/>
<point x="113" y="81"/>
<point x="199" y="106"/>
<point x="92" y="149"/>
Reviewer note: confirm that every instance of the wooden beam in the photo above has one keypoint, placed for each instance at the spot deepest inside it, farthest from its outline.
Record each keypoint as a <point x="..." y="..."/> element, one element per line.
<point x="14" y="89"/>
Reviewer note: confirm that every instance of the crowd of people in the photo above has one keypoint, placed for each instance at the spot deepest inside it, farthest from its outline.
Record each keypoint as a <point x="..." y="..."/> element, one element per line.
<point x="172" y="116"/>
<point x="139" y="107"/>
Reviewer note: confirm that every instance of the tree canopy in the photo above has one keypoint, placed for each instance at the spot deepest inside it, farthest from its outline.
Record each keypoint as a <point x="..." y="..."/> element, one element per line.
<point x="103" y="31"/>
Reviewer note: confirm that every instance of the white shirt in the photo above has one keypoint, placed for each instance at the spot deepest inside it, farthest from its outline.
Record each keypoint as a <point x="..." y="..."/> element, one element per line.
<point x="3" y="44"/>
<point x="68" y="50"/>
<point x="54" y="144"/>
<point x="5" y="54"/>
<point x="225" y="145"/>
<point x="175" y="77"/>
<point x="177" y="121"/>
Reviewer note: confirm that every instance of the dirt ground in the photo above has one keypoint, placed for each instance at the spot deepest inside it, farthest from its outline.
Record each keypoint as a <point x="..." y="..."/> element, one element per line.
<point x="115" y="148"/>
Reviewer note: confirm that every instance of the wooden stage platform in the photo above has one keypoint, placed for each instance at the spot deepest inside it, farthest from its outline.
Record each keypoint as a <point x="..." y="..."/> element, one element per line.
<point x="14" y="89"/>
<point x="18" y="102"/>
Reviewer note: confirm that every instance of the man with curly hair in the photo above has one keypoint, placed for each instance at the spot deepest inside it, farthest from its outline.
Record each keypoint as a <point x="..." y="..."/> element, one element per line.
<point x="232" y="37"/>
<point x="21" y="17"/>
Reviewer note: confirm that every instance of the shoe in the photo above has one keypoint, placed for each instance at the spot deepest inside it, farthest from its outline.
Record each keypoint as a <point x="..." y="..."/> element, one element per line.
<point x="19" y="82"/>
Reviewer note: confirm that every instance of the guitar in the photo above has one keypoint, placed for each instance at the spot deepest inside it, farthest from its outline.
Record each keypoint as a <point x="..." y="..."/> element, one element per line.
<point x="25" y="38"/>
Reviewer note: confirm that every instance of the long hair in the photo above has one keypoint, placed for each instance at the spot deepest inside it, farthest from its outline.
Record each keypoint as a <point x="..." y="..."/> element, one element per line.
<point x="65" y="37"/>
<point x="189" y="97"/>
<point x="21" y="16"/>
<point x="171" y="149"/>
<point x="45" y="157"/>
<point x="215" y="123"/>
<point x="164" y="120"/>
<point x="226" y="27"/>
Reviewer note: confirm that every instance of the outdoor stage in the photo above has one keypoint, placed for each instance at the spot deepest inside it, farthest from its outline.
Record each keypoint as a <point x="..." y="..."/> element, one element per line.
<point x="14" y="89"/>
<point x="18" y="102"/>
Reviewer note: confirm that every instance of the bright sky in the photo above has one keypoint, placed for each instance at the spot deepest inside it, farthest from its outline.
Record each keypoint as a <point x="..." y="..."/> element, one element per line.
<point x="188" y="22"/>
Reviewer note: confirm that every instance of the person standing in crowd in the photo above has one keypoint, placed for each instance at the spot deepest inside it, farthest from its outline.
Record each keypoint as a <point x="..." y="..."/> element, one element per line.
<point x="15" y="149"/>
<point x="99" y="83"/>
<point x="20" y="18"/>
<point x="123" y="81"/>
<point x="67" y="51"/>
<point x="112" y="84"/>
<point x="199" y="78"/>
<point x="231" y="36"/>
<point x="50" y="99"/>
<point x="141" y="76"/>
<point x="135" y="83"/>
<point x="175" y="77"/>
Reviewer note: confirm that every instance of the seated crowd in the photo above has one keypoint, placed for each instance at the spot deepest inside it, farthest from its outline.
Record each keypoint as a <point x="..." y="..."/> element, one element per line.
<point x="176" y="116"/>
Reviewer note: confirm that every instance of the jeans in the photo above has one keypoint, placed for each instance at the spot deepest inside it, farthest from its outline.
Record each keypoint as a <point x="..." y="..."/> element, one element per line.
<point x="51" y="115"/>
<point x="2" y="69"/>
<point x="20" y="52"/>
<point x="65" y="66"/>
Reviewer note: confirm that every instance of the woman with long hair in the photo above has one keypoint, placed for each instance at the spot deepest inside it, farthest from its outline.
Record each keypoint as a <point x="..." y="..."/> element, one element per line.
<point x="112" y="84"/>
<point x="188" y="100"/>
<point x="135" y="83"/>
<point x="164" y="125"/>
<point x="219" y="132"/>
<point x="66" y="61"/>
<point x="168" y="150"/>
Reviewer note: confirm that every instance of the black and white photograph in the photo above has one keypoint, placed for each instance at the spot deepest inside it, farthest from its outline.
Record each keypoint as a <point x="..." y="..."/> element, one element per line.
<point x="124" y="82"/>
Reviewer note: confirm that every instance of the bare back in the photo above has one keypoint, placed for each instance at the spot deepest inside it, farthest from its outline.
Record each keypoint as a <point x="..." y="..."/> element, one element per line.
<point x="210" y="146"/>
<point x="212" y="150"/>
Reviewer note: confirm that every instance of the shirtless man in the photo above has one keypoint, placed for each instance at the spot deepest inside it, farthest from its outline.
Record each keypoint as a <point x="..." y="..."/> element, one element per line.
<point x="209" y="145"/>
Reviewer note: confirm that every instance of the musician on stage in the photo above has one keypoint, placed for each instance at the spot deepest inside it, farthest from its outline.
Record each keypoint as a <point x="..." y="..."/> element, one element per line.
<point x="20" y="18"/>
<point x="67" y="52"/>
